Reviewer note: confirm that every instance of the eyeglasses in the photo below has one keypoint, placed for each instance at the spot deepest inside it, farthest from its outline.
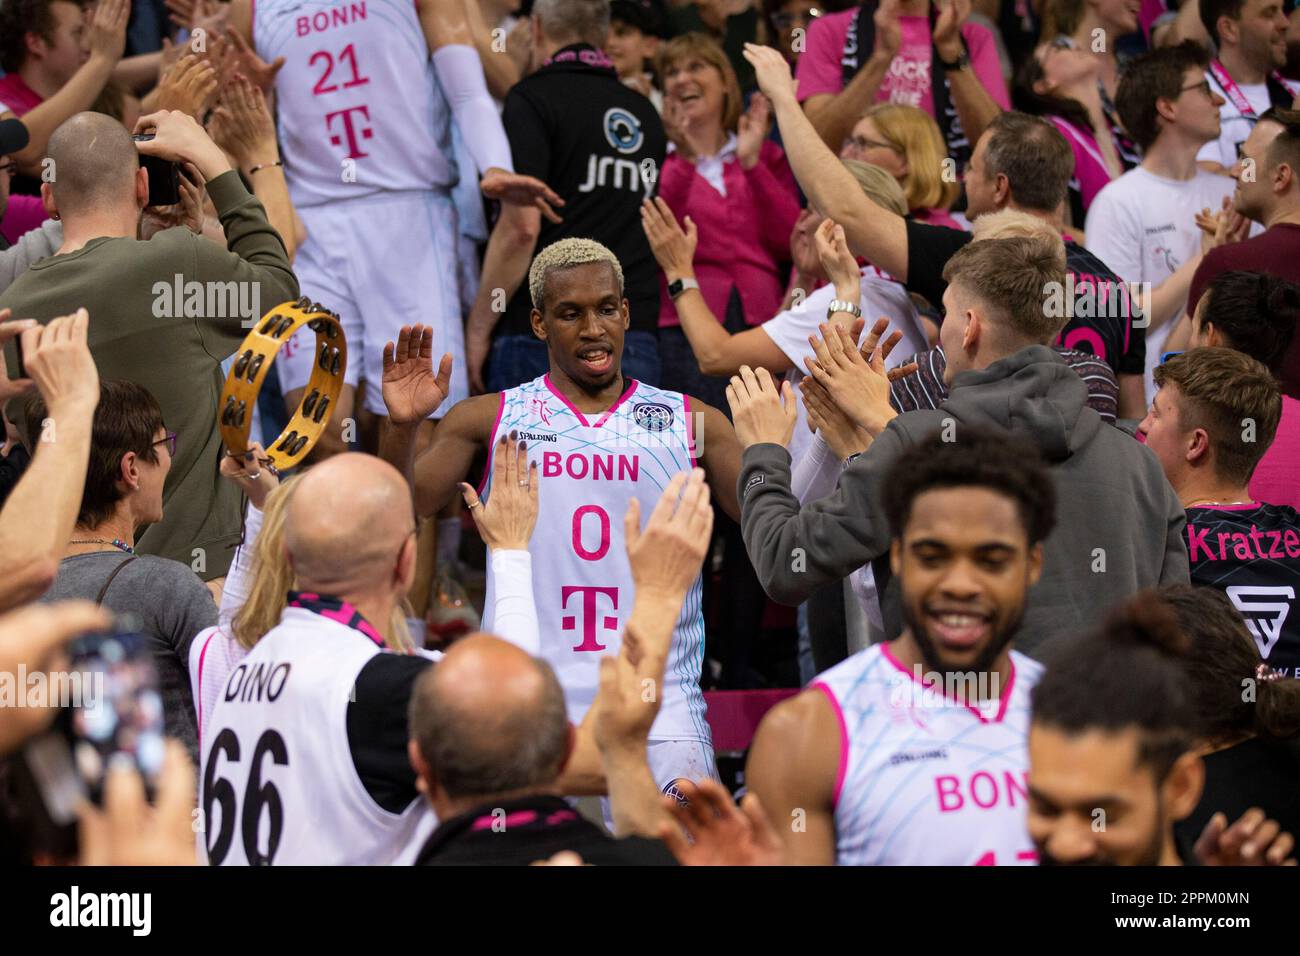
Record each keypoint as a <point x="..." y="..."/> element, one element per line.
<point x="862" y="143"/>
<point x="1203" y="86"/>
<point x="170" y="439"/>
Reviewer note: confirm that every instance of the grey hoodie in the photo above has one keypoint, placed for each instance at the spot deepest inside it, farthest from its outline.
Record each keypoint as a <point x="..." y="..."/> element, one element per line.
<point x="1115" y="509"/>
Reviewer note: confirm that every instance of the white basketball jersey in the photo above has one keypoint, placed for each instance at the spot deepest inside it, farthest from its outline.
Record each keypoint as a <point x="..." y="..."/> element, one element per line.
<point x="925" y="780"/>
<point x="582" y="582"/>
<point x="278" y="784"/>
<point x="357" y="103"/>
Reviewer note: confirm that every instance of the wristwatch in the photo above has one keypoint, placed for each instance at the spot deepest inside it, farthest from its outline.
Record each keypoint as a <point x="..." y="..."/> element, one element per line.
<point x="678" y="286"/>
<point x="962" y="61"/>
<point x="841" y="305"/>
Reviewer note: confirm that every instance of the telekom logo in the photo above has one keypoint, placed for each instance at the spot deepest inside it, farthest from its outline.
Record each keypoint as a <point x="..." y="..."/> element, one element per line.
<point x="350" y="129"/>
<point x="590" y="594"/>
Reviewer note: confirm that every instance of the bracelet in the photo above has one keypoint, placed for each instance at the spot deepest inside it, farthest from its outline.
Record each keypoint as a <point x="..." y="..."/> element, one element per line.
<point x="264" y="166"/>
<point x="841" y="305"/>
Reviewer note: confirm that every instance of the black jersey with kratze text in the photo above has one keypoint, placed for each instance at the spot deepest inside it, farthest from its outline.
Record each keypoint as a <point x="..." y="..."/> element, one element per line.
<point x="1252" y="553"/>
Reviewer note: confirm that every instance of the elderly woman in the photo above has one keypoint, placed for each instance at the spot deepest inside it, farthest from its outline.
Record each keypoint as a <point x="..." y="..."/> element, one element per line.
<point x="905" y="141"/>
<point x="726" y="177"/>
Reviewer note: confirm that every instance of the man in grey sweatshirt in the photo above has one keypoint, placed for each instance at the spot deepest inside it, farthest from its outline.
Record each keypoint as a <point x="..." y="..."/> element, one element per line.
<point x="1119" y="524"/>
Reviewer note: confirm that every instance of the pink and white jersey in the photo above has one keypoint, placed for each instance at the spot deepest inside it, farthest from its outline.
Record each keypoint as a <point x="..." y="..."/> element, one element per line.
<point x="590" y="469"/>
<point x="356" y="102"/>
<point x="925" y="780"/>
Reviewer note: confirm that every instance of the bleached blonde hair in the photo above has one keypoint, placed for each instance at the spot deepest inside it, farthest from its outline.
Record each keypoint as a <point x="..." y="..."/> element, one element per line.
<point x="1014" y="224"/>
<point x="563" y="255"/>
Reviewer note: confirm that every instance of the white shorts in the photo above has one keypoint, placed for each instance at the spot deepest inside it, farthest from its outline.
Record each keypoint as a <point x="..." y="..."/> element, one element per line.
<point x="381" y="262"/>
<point x="670" y="761"/>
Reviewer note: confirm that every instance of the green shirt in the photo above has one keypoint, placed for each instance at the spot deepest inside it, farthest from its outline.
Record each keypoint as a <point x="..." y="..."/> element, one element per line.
<point x="173" y="345"/>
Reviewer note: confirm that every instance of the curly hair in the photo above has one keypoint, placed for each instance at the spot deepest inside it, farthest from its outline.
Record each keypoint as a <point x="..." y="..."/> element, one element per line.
<point x="977" y="458"/>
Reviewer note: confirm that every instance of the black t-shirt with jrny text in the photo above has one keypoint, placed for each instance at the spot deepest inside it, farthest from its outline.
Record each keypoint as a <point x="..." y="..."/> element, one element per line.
<point x="600" y="145"/>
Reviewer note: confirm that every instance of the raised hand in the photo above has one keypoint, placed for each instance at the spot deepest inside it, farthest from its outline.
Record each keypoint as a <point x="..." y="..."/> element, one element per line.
<point x="838" y="262"/>
<point x="666" y="556"/>
<point x="411" y="390"/>
<point x="252" y="472"/>
<point x="242" y="124"/>
<point x="1254" y="840"/>
<point x="773" y="74"/>
<point x="839" y="432"/>
<point x="947" y="27"/>
<point x="107" y="29"/>
<point x="755" y="124"/>
<point x="189" y="86"/>
<point x="712" y="831"/>
<point x="58" y="360"/>
<point x="889" y="35"/>
<point x="761" y="413"/>
<point x="856" y="379"/>
<point x="520" y="190"/>
<point x="673" y="249"/>
<point x="506" y="522"/>
<point x="247" y="62"/>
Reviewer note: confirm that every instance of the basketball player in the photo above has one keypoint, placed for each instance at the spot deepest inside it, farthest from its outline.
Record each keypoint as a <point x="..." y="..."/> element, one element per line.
<point x="598" y="440"/>
<point x="913" y="751"/>
<point x="363" y="105"/>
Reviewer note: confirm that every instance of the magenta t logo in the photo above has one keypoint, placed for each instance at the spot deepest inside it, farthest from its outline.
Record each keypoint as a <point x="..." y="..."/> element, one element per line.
<point x="589" y="594"/>
<point x="351" y="129"/>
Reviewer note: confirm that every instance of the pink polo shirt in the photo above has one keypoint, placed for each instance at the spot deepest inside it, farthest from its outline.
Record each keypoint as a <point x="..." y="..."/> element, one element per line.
<point x="908" y="79"/>
<point x="1277" y="476"/>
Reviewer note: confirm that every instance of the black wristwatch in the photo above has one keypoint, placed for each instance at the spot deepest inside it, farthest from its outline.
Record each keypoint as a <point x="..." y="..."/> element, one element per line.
<point x="962" y="61"/>
<point x="678" y="286"/>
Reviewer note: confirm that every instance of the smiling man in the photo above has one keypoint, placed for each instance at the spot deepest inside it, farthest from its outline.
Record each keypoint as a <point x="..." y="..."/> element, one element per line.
<point x="913" y="751"/>
<point x="597" y="439"/>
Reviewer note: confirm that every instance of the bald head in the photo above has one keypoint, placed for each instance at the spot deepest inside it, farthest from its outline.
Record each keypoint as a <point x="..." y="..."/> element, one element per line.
<point x="95" y="163"/>
<point x="489" y="719"/>
<point x="347" y="524"/>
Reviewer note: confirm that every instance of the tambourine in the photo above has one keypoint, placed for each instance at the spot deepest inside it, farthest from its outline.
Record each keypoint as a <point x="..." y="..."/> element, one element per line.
<point x="238" y="402"/>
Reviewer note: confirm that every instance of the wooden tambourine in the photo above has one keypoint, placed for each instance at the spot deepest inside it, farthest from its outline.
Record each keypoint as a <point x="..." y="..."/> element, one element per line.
<point x="238" y="402"/>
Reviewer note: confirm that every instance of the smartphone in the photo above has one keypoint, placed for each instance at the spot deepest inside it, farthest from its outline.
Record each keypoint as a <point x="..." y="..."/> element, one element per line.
<point x="112" y="712"/>
<point x="164" y="176"/>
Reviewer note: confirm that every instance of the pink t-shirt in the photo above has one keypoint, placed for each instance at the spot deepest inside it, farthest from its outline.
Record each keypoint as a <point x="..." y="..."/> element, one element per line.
<point x="24" y="214"/>
<point x="1276" y="478"/>
<point x="1089" y="166"/>
<point x="908" y="78"/>
<point x="937" y="217"/>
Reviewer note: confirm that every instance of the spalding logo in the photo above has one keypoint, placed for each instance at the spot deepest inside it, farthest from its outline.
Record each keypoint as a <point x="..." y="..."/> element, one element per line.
<point x="652" y="416"/>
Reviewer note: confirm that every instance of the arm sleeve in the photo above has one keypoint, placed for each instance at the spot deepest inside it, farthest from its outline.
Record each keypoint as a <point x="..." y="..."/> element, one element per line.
<point x="515" y="612"/>
<point x="815" y="474"/>
<point x="984" y="61"/>
<point x="238" y="579"/>
<point x="796" y="550"/>
<point x="460" y="73"/>
<point x="377" y="730"/>
<point x="254" y="254"/>
<point x="31" y="247"/>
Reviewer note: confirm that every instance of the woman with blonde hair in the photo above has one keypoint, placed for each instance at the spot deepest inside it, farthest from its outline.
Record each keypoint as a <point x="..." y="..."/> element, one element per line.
<point x="905" y="141"/>
<point x="723" y="174"/>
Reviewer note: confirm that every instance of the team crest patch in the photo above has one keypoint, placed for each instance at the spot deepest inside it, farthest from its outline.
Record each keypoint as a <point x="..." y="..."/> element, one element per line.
<point x="652" y="416"/>
<point x="672" y="789"/>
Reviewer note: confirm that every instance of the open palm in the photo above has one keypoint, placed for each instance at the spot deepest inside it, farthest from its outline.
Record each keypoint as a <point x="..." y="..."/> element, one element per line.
<point x="410" y="388"/>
